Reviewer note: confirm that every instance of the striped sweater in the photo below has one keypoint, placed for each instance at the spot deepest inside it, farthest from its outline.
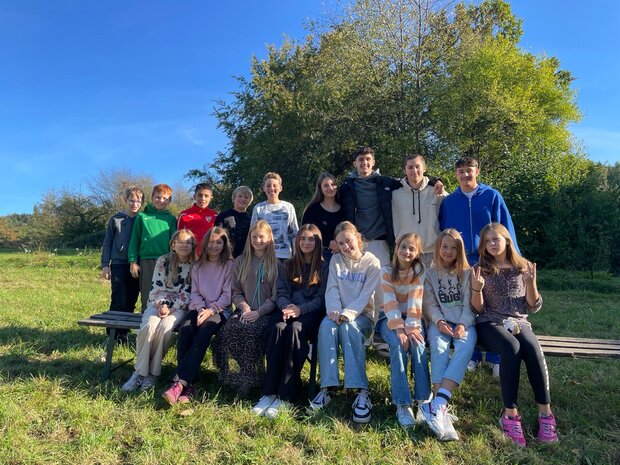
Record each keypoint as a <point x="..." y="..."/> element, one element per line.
<point x="402" y="301"/>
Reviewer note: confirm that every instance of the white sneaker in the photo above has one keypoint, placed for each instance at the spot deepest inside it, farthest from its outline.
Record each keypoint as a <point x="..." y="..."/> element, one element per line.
<point x="133" y="383"/>
<point x="276" y="408"/>
<point x="472" y="365"/>
<point x="362" y="407"/>
<point x="322" y="399"/>
<point x="404" y="413"/>
<point x="420" y="415"/>
<point x="263" y="404"/>
<point x="449" y="433"/>
<point x="495" y="369"/>
<point x="148" y="382"/>
<point x="437" y="419"/>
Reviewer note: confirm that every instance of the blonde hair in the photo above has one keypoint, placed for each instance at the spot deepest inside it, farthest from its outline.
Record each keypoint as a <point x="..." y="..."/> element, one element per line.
<point x="416" y="265"/>
<point x="225" y="254"/>
<point x="269" y="259"/>
<point x="173" y="261"/>
<point x="347" y="226"/>
<point x="272" y="175"/>
<point x="461" y="257"/>
<point x="487" y="261"/>
<point x="243" y="190"/>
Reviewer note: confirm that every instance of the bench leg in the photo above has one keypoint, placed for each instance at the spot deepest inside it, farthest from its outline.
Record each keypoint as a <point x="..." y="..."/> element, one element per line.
<point x="109" y="351"/>
<point x="313" y="363"/>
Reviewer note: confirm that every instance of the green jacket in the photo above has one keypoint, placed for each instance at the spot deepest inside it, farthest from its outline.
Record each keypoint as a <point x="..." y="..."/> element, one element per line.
<point x="151" y="234"/>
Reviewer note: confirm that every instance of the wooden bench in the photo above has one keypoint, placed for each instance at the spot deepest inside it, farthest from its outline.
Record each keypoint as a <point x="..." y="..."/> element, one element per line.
<point x="554" y="346"/>
<point x="112" y="320"/>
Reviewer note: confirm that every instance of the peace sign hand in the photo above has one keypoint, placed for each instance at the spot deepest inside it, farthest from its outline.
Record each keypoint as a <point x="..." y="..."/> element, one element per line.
<point x="477" y="281"/>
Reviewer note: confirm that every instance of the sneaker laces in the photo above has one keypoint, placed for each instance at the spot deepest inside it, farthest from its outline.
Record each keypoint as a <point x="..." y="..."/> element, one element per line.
<point x="547" y="425"/>
<point x="450" y="413"/>
<point x="513" y="427"/>
<point x="363" y="400"/>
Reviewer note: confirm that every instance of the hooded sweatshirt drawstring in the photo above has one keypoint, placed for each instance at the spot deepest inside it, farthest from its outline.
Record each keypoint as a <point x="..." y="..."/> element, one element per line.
<point x="413" y="191"/>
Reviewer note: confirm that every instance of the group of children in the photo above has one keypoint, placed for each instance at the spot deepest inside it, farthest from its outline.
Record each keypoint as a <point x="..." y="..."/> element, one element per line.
<point x="260" y="288"/>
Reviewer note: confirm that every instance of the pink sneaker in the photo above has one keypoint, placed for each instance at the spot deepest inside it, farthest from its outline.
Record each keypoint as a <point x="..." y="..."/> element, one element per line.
<point x="546" y="429"/>
<point x="512" y="428"/>
<point x="188" y="394"/>
<point x="173" y="393"/>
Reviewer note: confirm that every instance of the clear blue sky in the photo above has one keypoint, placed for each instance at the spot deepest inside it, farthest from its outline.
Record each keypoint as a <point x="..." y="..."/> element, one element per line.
<point x="86" y="86"/>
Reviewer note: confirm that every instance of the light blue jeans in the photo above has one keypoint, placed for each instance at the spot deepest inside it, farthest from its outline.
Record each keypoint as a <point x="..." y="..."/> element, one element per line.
<point x="350" y="336"/>
<point x="444" y="366"/>
<point x="399" y="362"/>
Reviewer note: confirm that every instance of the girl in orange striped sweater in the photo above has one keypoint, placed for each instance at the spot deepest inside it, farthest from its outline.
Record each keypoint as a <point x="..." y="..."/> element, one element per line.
<point x="400" y="325"/>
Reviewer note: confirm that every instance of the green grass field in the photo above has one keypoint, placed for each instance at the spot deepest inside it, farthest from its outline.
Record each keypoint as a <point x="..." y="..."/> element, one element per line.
<point x="55" y="409"/>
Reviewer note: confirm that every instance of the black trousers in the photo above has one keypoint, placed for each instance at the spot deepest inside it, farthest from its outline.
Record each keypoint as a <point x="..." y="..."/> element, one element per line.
<point x="125" y="290"/>
<point x="193" y="343"/>
<point x="512" y="349"/>
<point x="287" y="349"/>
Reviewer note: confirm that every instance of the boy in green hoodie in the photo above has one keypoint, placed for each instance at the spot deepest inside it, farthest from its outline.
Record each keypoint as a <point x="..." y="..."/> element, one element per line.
<point x="150" y="238"/>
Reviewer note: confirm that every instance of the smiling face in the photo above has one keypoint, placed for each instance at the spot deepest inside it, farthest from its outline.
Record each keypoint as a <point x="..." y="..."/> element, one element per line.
<point x="214" y="247"/>
<point x="272" y="189"/>
<point x="349" y="244"/>
<point x="329" y="188"/>
<point x="260" y="239"/>
<point x="364" y="164"/>
<point x="133" y="204"/>
<point x="241" y="201"/>
<point x="414" y="170"/>
<point x="183" y="245"/>
<point x="467" y="177"/>
<point x="448" y="252"/>
<point x="407" y="251"/>
<point x="203" y="197"/>
<point x="307" y="243"/>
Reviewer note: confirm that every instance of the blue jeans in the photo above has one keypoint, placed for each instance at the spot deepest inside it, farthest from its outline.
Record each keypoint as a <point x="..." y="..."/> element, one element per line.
<point x="399" y="361"/>
<point x="350" y="336"/>
<point x="444" y="366"/>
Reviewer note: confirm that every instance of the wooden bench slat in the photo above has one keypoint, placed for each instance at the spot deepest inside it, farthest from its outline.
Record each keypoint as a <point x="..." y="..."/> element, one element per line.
<point x="110" y="323"/>
<point x="590" y="346"/>
<point x="579" y="340"/>
<point x="563" y="352"/>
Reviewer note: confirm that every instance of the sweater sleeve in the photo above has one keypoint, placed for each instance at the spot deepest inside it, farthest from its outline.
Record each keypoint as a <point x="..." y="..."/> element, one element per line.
<point x="106" y="249"/>
<point x="238" y="296"/>
<point x="225" y="298"/>
<point x="317" y="302"/>
<point x="415" y="291"/>
<point x="432" y="309"/>
<point x="269" y="304"/>
<point x="254" y="215"/>
<point x="467" y="315"/>
<point x="332" y="294"/>
<point x="158" y="292"/>
<point x="373" y="279"/>
<point x="347" y="201"/>
<point x="196" y="301"/>
<point x="283" y="297"/>
<point x="134" y="243"/>
<point x="390" y="302"/>
<point x="293" y="226"/>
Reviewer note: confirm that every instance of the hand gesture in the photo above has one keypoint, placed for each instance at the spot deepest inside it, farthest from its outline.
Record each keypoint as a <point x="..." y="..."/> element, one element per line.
<point x="249" y="317"/>
<point x="203" y="315"/>
<point x="404" y="340"/>
<point x="438" y="187"/>
<point x="529" y="275"/>
<point x="445" y="328"/>
<point x="477" y="281"/>
<point x="416" y="337"/>
<point x="334" y="315"/>
<point x="459" y="331"/>
<point x="105" y="273"/>
<point x="134" y="270"/>
<point x="163" y="310"/>
<point x="291" y="311"/>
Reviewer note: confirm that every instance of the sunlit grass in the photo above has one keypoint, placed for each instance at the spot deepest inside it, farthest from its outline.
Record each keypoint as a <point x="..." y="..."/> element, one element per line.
<point x="54" y="407"/>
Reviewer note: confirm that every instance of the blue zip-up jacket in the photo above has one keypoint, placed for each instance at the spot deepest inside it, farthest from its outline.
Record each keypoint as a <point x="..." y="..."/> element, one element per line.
<point x="469" y="216"/>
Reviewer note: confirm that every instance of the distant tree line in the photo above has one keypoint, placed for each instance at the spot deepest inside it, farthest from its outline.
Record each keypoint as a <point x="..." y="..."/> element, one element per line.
<point x="434" y="77"/>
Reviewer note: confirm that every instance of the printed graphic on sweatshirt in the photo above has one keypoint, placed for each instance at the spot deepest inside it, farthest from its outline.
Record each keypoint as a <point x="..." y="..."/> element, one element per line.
<point x="449" y="291"/>
<point x="352" y="276"/>
<point x="278" y="220"/>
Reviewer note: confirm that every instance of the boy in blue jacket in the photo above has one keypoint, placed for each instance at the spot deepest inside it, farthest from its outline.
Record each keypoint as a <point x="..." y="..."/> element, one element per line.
<point x="468" y="209"/>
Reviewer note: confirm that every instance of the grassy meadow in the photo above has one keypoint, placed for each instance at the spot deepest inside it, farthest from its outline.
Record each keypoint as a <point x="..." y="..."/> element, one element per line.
<point x="55" y="408"/>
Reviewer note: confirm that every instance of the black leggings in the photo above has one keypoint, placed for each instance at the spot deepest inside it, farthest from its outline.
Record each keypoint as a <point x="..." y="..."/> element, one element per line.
<point x="512" y="349"/>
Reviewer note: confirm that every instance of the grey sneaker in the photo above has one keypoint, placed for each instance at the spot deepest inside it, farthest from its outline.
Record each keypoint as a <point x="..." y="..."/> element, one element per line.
<point x="133" y="383"/>
<point x="148" y="382"/>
